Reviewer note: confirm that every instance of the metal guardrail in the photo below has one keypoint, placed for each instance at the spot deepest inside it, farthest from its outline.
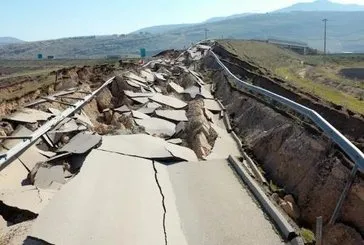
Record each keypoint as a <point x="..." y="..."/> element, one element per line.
<point x="349" y="148"/>
<point x="14" y="152"/>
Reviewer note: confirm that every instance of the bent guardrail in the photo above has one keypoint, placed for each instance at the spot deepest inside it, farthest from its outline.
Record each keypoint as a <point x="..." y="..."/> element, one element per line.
<point x="348" y="147"/>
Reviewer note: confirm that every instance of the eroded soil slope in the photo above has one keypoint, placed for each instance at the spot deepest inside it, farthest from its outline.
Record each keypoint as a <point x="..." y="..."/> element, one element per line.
<point x="299" y="158"/>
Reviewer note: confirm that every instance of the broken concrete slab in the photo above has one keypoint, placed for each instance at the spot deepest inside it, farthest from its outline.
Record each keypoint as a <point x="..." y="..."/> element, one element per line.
<point x="157" y="89"/>
<point x="81" y="143"/>
<point x="132" y="83"/>
<point x="122" y="109"/>
<point x="28" y="115"/>
<point x="159" y="76"/>
<point x="140" y="100"/>
<point x="177" y="88"/>
<point x="153" y="105"/>
<point x="31" y="156"/>
<point x="157" y="126"/>
<point x="54" y="111"/>
<point x="205" y="93"/>
<point x="13" y="175"/>
<point x="26" y="198"/>
<point x="83" y="119"/>
<point x="77" y="205"/>
<point x="149" y="76"/>
<point x="140" y="145"/>
<point x="169" y="101"/>
<point x="225" y="145"/>
<point x="46" y="176"/>
<point x="135" y="77"/>
<point x="48" y="154"/>
<point x="139" y="115"/>
<point x="173" y="115"/>
<point x="147" y="110"/>
<point x="180" y="127"/>
<point x="193" y="91"/>
<point x="208" y="115"/>
<point x="181" y="152"/>
<point x="212" y="105"/>
<point x="176" y="141"/>
<point x="132" y="94"/>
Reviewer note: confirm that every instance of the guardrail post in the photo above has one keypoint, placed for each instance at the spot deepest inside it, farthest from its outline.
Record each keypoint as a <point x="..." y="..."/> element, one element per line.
<point x="318" y="234"/>
<point x="344" y="194"/>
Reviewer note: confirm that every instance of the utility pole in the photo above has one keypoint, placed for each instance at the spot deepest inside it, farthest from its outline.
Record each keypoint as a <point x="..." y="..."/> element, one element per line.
<point x="206" y="30"/>
<point x="325" y="21"/>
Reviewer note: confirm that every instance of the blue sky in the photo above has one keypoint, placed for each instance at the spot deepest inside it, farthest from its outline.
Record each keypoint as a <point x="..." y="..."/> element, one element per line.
<point x="32" y="20"/>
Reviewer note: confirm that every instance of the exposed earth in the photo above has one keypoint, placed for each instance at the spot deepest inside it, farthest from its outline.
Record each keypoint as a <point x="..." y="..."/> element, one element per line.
<point x="302" y="165"/>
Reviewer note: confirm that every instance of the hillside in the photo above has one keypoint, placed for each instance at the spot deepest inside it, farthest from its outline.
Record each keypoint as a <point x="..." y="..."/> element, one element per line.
<point x="322" y="5"/>
<point x="9" y="40"/>
<point x="345" y="34"/>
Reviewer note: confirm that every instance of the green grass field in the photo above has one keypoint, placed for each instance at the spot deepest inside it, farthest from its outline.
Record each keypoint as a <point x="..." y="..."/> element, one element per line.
<point x="315" y="75"/>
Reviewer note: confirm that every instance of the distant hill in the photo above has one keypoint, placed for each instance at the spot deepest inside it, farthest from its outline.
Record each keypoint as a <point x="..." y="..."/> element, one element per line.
<point x="9" y="40"/>
<point x="322" y="5"/>
<point x="345" y="34"/>
<point x="216" y="19"/>
<point x="161" y="29"/>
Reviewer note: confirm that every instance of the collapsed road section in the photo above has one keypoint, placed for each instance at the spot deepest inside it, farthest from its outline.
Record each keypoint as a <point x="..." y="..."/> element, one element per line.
<point x="143" y="162"/>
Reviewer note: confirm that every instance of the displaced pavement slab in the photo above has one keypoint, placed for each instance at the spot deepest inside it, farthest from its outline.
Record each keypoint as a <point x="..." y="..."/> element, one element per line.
<point x="193" y="91"/>
<point x="140" y="145"/>
<point x="133" y="84"/>
<point x="212" y="105"/>
<point x="174" y="115"/>
<point x="147" y="75"/>
<point x="176" y="141"/>
<point x="13" y="175"/>
<point x="124" y="208"/>
<point x="224" y="146"/>
<point x="157" y="126"/>
<point x="141" y="100"/>
<point x="135" y="77"/>
<point x="177" y="88"/>
<point x="145" y="146"/>
<point x="132" y="94"/>
<point x="81" y="143"/>
<point x="139" y="115"/>
<point x="153" y="105"/>
<point x="46" y="176"/>
<point x="169" y="101"/>
<point x="146" y="110"/>
<point x="205" y="93"/>
<point x="181" y="152"/>
<point x="26" y="198"/>
<point x="214" y="208"/>
<point x="28" y="115"/>
<point x="83" y="119"/>
<point x="31" y="156"/>
<point x="122" y="109"/>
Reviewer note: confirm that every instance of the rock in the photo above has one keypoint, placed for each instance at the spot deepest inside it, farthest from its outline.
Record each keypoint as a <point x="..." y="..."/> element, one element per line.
<point x="275" y="197"/>
<point x="65" y="139"/>
<point x="104" y="99"/>
<point x="108" y="115"/>
<point x="289" y="198"/>
<point x="291" y="209"/>
<point x="6" y="127"/>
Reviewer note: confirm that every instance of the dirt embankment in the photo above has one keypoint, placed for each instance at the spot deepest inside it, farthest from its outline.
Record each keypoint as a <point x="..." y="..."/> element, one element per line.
<point x="301" y="160"/>
<point x="18" y="91"/>
<point x="350" y="124"/>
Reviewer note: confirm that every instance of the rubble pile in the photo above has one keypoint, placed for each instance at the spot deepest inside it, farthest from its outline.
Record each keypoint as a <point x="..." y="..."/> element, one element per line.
<point x="162" y="111"/>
